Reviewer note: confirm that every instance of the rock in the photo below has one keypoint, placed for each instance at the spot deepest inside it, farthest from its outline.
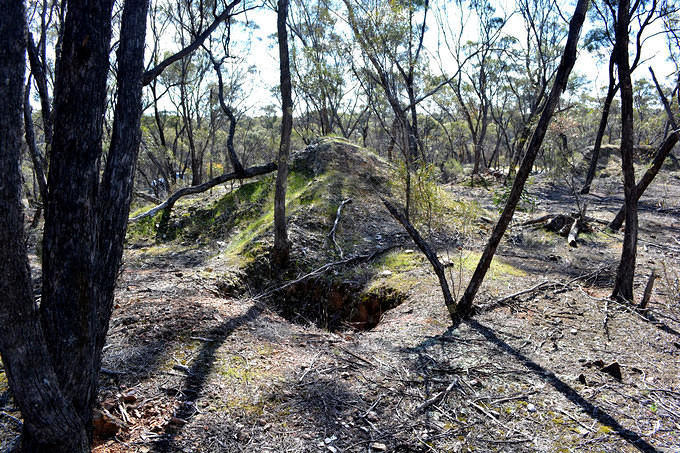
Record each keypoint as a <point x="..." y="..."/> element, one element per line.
<point x="385" y="273"/>
<point x="377" y="446"/>
<point x="573" y="331"/>
<point x="531" y="407"/>
<point x="614" y="370"/>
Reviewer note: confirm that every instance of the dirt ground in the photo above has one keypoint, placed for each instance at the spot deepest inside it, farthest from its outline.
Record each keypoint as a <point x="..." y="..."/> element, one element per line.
<point x="187" y="369"/>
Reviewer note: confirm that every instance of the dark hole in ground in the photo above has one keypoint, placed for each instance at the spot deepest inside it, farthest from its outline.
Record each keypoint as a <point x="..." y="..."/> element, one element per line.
<point x="337" y="304"/>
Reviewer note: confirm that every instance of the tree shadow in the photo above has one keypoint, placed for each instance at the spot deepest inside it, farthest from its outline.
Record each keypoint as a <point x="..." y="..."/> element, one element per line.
<point x="572" y="395"/>
<point x="198" y="373"/>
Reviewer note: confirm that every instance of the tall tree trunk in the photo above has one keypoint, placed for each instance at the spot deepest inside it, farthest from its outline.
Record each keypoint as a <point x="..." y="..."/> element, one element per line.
<point x="623" y="287"/>
<point x="52" y="354"/>
<point x="561" y="78"/>
<point x="281" y="250"/>
<point x="611" y="92"/>
<point x="67" y="311"/>
<point x="115" y="192"/>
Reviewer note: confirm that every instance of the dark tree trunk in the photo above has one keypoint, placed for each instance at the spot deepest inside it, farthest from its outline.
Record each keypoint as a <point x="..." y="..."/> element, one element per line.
<point x="67" y="311"/>
<point x="592" y="168"/>
<point x="51" y="422"/>
<point x="623" y="287"/>
<point x="52" y="354"/>
<point x="233" y="158"/>
<point x="566" y="64"/>
<point x="115" y="192"/>
<point x="430" y="254"/>
<point x="661" y="154"/>
<point x="281" y="249"/>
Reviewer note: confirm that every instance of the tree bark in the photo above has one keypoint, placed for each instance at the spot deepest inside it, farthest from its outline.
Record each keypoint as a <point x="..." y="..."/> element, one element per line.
<point x="566" y="64"/>
<point x="281" y="249"/>
<point x="429" y="253"/>
<point x="52" y="353"/>
<point x="115" y="193"/>
<point x="51" y="422"/>
<point x="67" y="310"/>
<point x="623" y="287"/>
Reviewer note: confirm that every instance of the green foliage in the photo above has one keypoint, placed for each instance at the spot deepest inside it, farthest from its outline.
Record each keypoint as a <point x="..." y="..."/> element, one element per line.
<point x="426" y="196"/>
<point x="527" y="202"/>
<point x="452" y="169"/>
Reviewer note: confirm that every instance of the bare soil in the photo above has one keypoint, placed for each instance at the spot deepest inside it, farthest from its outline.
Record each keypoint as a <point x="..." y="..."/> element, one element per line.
<point x="188" y="369"/>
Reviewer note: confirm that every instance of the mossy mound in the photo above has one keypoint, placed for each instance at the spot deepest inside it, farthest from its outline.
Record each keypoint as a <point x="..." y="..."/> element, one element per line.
<point x="238" y="226"/>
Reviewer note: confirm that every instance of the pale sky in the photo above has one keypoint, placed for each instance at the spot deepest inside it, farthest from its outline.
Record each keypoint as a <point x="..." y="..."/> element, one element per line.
<point x="264" y="54"/>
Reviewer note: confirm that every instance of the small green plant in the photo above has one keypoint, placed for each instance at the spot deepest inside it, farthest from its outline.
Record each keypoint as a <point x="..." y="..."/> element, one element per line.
<point x="451" y="169"/>
<point x="427" y="205"/>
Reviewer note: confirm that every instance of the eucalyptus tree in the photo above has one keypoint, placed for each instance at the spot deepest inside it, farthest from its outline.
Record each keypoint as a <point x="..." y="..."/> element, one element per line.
<point x="479" y="55"/>
<point x="533" y="66"/>
<point x="52" y="350"/>
<point x="391" y="38"/>
<point x="280" y="254"/>
<point x="559" y="86"/>
<point x="643" y="16"/>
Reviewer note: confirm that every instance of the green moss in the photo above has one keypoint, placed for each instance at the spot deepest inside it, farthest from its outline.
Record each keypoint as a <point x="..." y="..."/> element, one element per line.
<point x="400" y="284"/>
<point x="399" y="261"/>
<point x="498" y="269"/>
<point x="144" y="228"/>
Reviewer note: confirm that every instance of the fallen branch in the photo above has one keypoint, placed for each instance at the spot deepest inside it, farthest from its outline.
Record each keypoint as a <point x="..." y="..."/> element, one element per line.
<point x="147" y="197"/>
<point x="172" y="199"/>
<point x="573" y="233"/>
<point x="316" y="272"/>
<point x="335" y="225"/>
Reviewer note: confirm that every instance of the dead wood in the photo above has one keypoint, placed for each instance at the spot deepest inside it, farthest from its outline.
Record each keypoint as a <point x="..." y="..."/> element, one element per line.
<point x="335" y="225"/>
<point x="642" y="307"/>
<point x="172" y="199"/>
<point x="147" y="197"/>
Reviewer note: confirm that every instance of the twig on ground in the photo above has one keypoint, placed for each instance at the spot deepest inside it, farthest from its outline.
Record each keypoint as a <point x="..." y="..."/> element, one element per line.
<point x="13" y="418"/>
<point x="316" y="272"/>
<point x="335" y="225"/>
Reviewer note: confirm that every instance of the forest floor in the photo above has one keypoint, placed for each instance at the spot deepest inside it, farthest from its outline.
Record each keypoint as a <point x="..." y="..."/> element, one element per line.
<point x="192" y="366"/>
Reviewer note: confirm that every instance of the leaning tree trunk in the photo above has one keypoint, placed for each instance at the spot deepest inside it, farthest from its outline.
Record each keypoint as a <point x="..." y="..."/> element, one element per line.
<point x="115" y="193"/>
<point x="281" y="249"/>
<point x="661" y="154"/>
<point x="561" y="78"/>
<point x="592" y="168"/>
<point x="623" y="287"/>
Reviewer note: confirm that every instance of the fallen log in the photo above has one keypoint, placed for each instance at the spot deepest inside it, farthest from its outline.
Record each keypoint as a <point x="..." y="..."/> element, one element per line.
<point x="172" y="199"/>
